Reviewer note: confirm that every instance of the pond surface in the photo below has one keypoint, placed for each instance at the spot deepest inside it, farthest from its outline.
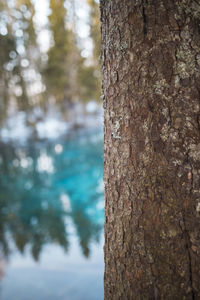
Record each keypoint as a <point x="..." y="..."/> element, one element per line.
<point x="51" y="219"/>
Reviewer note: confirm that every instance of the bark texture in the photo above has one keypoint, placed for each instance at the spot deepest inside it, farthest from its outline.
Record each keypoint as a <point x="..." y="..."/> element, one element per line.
<point x="151" y="86"/>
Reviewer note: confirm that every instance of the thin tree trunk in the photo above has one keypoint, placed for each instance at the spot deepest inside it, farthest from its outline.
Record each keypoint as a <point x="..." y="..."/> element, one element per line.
<point x="151" y="72"/>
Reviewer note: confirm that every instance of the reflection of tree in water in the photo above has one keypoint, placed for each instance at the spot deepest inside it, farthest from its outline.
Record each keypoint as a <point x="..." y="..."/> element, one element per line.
<point x="32" y="213"/>
<point x="24" y="217"/>
<point x="82" y="221"/>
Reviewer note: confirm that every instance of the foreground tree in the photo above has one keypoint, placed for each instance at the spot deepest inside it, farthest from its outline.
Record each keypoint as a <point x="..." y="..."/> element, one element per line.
<point x="151" y="59"/>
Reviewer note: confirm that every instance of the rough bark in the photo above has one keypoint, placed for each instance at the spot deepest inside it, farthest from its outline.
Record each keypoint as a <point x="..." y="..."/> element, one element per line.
<point x="151" y="86"/>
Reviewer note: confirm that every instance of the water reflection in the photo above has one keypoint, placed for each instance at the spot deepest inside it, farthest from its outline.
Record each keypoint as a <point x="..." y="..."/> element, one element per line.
<point x="46" y="185"/>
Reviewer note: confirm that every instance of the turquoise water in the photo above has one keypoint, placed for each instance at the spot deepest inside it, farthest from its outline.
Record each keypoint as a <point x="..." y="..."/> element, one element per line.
<point x="51" y="219"/>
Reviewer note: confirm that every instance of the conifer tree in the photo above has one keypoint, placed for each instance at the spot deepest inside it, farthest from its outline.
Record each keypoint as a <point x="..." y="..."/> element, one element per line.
<point x="56" y="73"/>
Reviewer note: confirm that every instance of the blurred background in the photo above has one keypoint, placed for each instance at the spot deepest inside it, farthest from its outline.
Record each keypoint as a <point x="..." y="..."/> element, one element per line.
<point x="51" y="151"/>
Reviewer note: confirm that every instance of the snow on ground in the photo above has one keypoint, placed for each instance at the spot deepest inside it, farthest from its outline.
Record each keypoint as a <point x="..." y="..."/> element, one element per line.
<point x="52" y="125"/>
<point x="15" y="128"/>
<point x="51" y="128"/>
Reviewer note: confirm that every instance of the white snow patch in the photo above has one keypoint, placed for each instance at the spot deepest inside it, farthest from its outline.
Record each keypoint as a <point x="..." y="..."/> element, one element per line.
<point x="45" y="163"/>
<point x="16" y="128"/>
<point x="51" y="128"/>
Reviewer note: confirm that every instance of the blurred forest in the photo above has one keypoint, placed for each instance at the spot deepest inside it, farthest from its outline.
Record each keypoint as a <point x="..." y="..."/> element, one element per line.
<point x="45" y="64"/>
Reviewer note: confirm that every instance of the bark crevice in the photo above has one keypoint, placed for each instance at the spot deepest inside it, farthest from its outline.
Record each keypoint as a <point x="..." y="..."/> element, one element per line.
<point x="187" y="244"/>
<point x="144" y="18"/>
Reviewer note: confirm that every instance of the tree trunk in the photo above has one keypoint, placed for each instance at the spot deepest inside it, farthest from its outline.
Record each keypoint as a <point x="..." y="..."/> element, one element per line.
<point x="151" y="85"/>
